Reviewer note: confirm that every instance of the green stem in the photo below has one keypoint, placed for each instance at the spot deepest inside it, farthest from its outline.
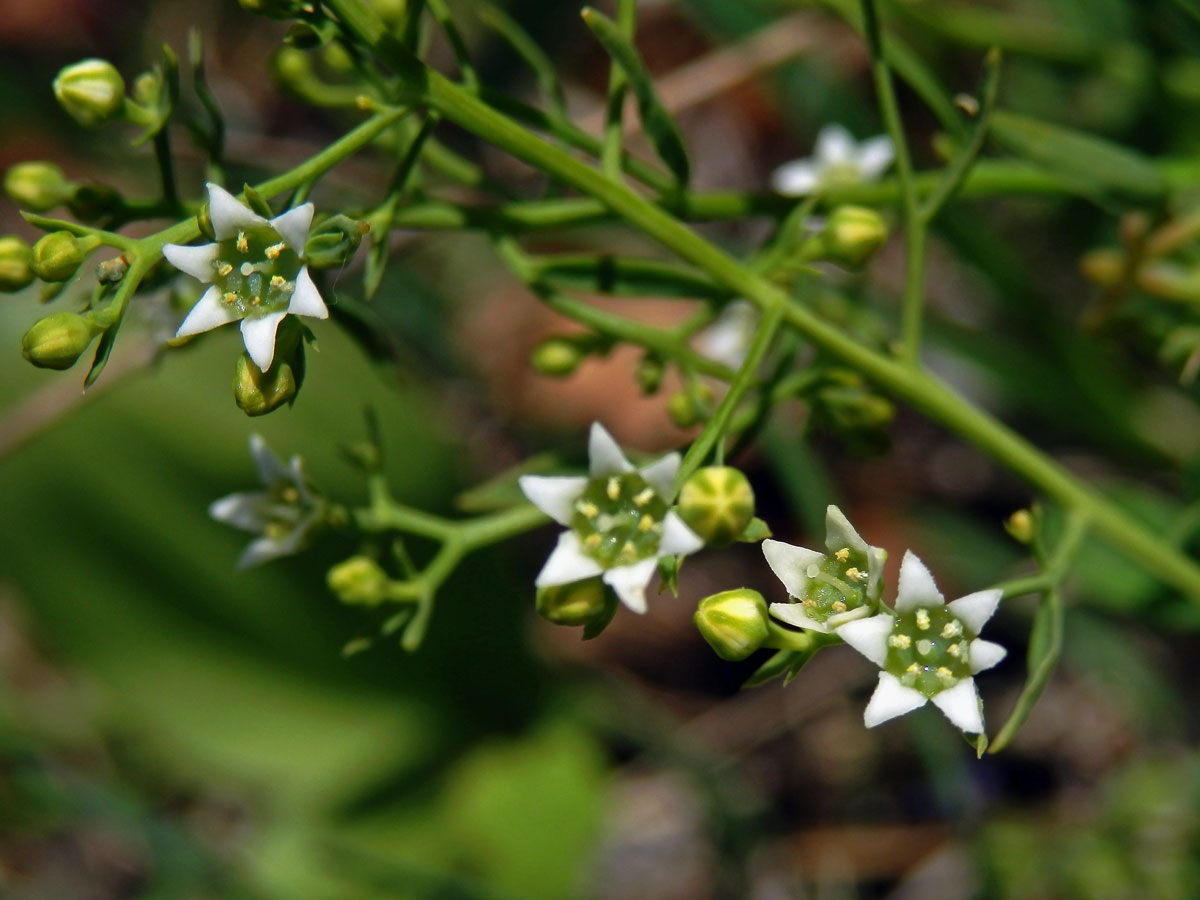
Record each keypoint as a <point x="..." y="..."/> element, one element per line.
<point x="611" y="152"/>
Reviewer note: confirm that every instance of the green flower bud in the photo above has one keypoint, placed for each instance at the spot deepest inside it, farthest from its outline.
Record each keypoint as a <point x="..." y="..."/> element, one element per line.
<point x="257" y="392"/>
<point x="649" y="374"/>
<point x="15" y="263"/>
<point x="574" y="604"/>
<point x="717" y="503"/>
<point x="734" y="623"/>
<point x="557" y="357"/>
<point x="685" y="409"/>
<point x="57" y="256"/>
<point x="334" y="242"/>
<point x="852" y="235"/>
<point x="37" y="186"/>
<point x="359" y="581"/>
<point x="92" y="92"/>
<point x="1020" y="526"/>
<point x="58" y="340"/>
<point x="147" y="89"/>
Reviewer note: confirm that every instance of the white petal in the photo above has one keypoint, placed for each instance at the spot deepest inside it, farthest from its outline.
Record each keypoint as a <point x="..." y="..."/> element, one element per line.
<point x="840" y="533"/>
<point x="630" y="582"/>
<point x="604" y="454"/>
<point x="727" y="340"/>
<point x="261" y="550"/>
<point x="677" y="538"/>
<point x="208" y="313"/>
<point x="796" y="178"/>
<point x="228" y="214"/>
<point x="660" y="474"/>
<point x="961" y="706"/>
<point x="869" y="636"/>
<point x="793" y="614"/>
<point x="293" y="225"/>
<point x="891" y="699"/>
<point x="876" y="559"/>
<point x="567" y="563"/>
<point x="874" y="156"/>
<point x="243" y="511"/>
<point x="306" y="299"/>
<point x="555" y="495"/>
<point x="916" y="587"/>
<point x="985" y="654"/>
<point x="271" y="470"/>
<point x="258" y="334"/>
<point x="790" y="564"/>
<point x="194" y="261"/>
<point x="835" y="146"/>
<point x="296" y="477"/>
<point x="975" y="609"/>
<point x="837" y="620"/>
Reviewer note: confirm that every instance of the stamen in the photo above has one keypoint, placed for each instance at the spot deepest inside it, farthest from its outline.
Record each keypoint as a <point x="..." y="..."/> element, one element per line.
<point x="809" y="602"/>
<point x="613" y="488"/>
<point x="278" y="281"/>
<point x="900" y="641"/>
<point x="946" y="675"/>
<point x="224" y="268"/>
<point x="953" y="629"/>
<point x="592" y="541"/>
<point x="274" y="250"/>
<point x="838" y="606"/>
<point x="243" y="245"/>
<point x="629" y="551"/>
<point x="230" y="297"/>
<point x="923" y="619"/>
<point x="646" y="523"/>
<point x="843" y="554"/>
<point x="954" y="650"/>
<point x="854" y="575"/>
<point x="643" y="497"/>
<point x="589" y="510"/>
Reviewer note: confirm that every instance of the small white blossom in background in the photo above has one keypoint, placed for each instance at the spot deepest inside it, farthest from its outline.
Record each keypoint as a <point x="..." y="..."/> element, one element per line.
<point x="257" y="272"/>
<point x="837" y="161"/>
<point x="284" y="515"/>
<point x="727" y="339"/>
<point x="928" y="649"/>
<point x="617" y="520"/>
<point x="831" y="588"/>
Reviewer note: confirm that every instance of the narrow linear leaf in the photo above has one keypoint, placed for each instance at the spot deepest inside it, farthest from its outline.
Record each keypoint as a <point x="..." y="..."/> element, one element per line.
<point x="1045" y="645"/>
<point x="530" y="53"/>
<point x="1079" y="159"/>
<point x="103" y="351"/>
<point x="657" y="122"/>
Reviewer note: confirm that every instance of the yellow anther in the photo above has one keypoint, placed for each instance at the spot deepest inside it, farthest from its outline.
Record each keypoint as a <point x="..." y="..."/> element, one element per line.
<point x="646" y="522"/>
<point x="243" y="245"/>
<point x="913" y="669"/>
<point x="588" y="509"/>
<point x="643" y="497"/>
<point x="843" y="554"/>
<point x="278" y="281"/>
<point x="923" y="619"/>
<point x="224" y="269"/>
<point x="945" y="674"/>
<point x="838" y="606"/>
<point x="962" y="649"/>
<point x="289" y="495"/>
<point x="954" y="650"/>
<point x="900" y="641"/>
<point x="230" y="297"/>
<point x="629" y="551"/>
<point x="256" y="300"/>
<point x="592" y="541"/>
<point x="809" y="602"/>
<point x="613" y="489"/>
<point x="274" y="250"/>
<point x="854" y="575"/>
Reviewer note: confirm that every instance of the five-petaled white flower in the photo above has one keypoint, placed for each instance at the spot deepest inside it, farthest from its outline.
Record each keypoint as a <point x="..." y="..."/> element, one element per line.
<point x="928" y="649"/>
<point x="618" y="523"/>
<point x="284" y="515"/>
<point x="832" y="588"/>
<point x="257" y="272"/>
<point x="837" y="160"/>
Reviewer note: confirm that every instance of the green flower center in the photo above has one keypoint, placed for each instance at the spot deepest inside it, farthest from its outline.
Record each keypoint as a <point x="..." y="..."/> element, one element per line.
<point x="836" y="585"/>
<point x="619" y="519"/>
<point x="256" y="271"/>
<point x="929" y="650"/>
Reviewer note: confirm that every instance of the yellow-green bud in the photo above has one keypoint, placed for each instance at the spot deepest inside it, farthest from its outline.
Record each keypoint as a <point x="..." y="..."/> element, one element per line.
<point x="574" y="604"/>
<point x="734" y="623"/>
<point x="15" y="263"/>
<point x="1021" y="526"/>
<point x="335" y="241"/>
<point x="92" y="92"/>
<point x="717" y="503"/>
<point x="57" y="256"/>
<point x="359" y="581"/>
<point x="852" y="235"/>
<point x="686" y="408"/>
<point x="257" y="392"/>
<point x="58" y="340"/>
<point x="37" y="186"/>
<point x="556" y="357"/>
<point x="649" y="373"/>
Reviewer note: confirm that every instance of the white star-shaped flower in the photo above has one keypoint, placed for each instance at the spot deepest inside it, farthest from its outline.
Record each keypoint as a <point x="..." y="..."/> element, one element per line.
<point x="618" y="523"/>
<point x="837" y="160"/>
<point x="928" y="650"/>
<point x="284" y="515"/>
<point x="257" y="272"/>
<point x="831" y="588"/>
<point x="727" y="340"/>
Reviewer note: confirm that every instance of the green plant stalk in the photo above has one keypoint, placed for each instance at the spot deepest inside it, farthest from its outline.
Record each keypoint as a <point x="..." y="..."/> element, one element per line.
<point x="921" y="390"/>
<point x="612" y="149"/>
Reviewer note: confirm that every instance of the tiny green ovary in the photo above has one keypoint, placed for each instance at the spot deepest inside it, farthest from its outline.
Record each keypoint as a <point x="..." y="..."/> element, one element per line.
<point x="929" y="650"/>
<point x="619" y="519"/>
<point x="836" y="585"/>
<point x="256" y="271"/>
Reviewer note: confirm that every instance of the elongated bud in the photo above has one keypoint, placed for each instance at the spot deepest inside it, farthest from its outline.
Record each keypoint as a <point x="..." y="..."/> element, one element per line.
<point x="557" y="357"/>
<point x="92" y="92"/>
<point x="735" y="623"/>
<point x="717" y="503"/>
<point x="851" y="236"/>
<point x="359" y="581"/>
<point x="574" y="604"/>
<point x="334" y="242"/>
<point x="257" y="392"/>
<point x="37" y="186"/>
<point x="58" y="340"/>
<point x="16" y="260"/>
<point x="57" y="256"/>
